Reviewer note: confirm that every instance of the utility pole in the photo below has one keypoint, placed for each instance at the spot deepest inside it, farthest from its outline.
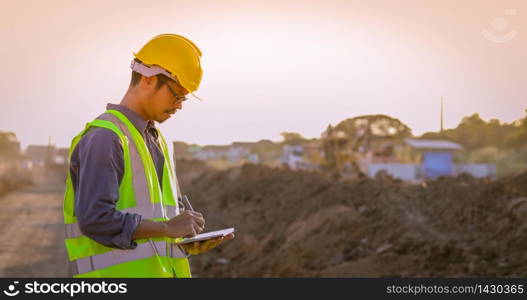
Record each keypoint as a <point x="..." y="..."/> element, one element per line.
<point x="441" y="114"/>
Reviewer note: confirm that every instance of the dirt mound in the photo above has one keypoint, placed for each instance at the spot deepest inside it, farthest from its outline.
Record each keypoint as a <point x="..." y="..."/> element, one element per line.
<point x="296" y="224"/>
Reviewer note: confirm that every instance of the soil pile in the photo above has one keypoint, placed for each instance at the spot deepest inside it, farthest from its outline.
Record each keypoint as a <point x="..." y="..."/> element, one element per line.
<point x="307" y="224"/>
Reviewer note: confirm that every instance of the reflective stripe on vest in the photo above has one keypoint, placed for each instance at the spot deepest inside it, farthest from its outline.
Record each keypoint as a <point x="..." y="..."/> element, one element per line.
<point x="170" y="208"/>
<point x="144" y="190"/>
<point x="139" y="192"/>
<point x="144" y="250"/>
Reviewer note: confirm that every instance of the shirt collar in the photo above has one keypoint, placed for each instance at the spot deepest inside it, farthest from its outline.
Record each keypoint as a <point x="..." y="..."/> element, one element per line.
<point x="138" y="122"/>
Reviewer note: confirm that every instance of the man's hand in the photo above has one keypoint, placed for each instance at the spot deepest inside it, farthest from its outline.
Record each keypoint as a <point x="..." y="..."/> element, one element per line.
<point x="204" y="246"/>
<point x="187" y="224"/>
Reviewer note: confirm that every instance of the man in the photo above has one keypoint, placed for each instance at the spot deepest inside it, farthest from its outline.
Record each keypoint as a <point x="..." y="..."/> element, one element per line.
<point x="120" y="207"/>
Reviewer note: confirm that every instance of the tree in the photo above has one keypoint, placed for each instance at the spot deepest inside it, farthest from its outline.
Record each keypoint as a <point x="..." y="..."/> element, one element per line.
<point x="348" y="140"/>
<point x="518" y="138"/>
<point x="475" y="133"/>
<point x="293" y="138"/>
<point x="369" y="129"/>
<point x="9" y="146"/>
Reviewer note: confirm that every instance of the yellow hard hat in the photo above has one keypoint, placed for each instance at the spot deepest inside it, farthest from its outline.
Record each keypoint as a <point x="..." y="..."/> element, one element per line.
<point x="173" y="53"/>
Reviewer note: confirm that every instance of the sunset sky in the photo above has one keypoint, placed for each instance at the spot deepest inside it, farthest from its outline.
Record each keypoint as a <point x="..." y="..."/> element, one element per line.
<point x="269" y="66"/>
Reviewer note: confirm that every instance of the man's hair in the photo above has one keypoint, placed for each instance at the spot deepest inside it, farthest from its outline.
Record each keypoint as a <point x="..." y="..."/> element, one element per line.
<point x="136" y="77"/>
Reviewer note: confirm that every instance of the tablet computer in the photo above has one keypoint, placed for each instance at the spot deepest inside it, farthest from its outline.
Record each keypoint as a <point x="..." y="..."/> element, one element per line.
<point x="207" y="235"/>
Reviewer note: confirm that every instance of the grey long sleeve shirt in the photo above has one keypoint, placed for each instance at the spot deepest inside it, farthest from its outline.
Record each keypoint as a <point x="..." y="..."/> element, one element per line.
<point x="96" y="169"/>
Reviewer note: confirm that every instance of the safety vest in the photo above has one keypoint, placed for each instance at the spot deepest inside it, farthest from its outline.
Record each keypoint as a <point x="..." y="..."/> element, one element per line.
<point x="139" y="192"/>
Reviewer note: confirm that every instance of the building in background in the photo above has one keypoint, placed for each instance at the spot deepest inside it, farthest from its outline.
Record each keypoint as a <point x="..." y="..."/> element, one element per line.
<point x="430" y="159"/>
<point x="45" y="156"/>
<point x="221" y="156"/>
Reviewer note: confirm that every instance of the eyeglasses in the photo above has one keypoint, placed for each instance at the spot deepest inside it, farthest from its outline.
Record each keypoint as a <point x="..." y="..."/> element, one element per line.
<point x="179" y="98"/>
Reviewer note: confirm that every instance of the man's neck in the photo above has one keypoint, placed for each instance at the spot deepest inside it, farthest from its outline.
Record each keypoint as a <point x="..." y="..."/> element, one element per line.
<point x="133" y="103"/>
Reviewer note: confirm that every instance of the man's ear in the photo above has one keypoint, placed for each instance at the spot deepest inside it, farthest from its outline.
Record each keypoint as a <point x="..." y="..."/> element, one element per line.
<point x="148" y="83"/>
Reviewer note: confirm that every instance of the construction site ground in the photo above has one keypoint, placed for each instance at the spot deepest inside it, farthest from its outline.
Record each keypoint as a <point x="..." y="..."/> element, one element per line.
<point x="32" y="239"/>
<point x="308" y="224"/>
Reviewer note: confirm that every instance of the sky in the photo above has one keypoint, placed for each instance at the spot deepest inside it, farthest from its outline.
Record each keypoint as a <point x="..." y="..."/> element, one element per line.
<point x="269" y="66"/>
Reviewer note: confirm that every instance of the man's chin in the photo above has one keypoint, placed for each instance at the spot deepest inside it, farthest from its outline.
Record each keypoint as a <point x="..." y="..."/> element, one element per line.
<point x="164" y="118"/>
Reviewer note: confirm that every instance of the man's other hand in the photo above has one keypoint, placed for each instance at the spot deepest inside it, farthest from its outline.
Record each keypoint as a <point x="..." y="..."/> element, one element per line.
<point x="206" y="245"/>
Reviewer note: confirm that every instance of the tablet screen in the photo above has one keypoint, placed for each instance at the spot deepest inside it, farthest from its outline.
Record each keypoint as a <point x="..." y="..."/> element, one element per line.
<point x="207" y="235"/>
